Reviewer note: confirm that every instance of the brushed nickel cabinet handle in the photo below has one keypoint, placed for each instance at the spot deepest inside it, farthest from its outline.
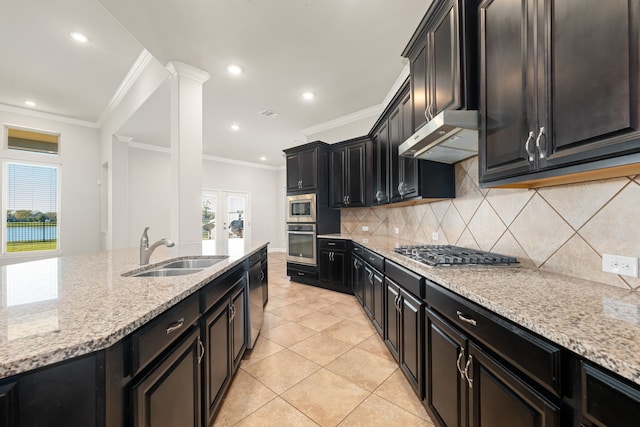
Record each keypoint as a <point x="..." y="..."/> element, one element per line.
<point x="526" y="145"/>
<point x="465" y="319"/>
<point x="466" y="371"/>
<point x="175" y="325"/>
<point x="540" y="150"/>
<point x="201" y="355"/>
<point x="460" y="357"/>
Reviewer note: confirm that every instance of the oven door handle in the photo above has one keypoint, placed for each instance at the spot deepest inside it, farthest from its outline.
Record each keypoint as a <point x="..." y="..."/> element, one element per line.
<point x="312" y="233"/>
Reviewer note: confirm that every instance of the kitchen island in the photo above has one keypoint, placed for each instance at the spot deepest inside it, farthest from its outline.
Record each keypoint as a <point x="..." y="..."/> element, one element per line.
<point x="59" y="310"/>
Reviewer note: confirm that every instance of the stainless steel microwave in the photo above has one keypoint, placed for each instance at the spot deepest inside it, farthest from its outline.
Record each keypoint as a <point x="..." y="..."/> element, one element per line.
<point x="301" y="208"/>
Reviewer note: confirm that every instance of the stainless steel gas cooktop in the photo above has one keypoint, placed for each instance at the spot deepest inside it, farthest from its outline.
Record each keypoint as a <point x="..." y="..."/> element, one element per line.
<point x="448" y="255"/>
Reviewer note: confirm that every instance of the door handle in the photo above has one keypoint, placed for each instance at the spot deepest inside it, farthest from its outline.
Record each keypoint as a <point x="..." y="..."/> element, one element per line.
<point x="460" y="357"/>
<point x="526" y="145"/>
<point x="175" y="325"/>
<point x="466" y="371"/>
<point x="201" y="355"/>
<point x="540" y="150"/>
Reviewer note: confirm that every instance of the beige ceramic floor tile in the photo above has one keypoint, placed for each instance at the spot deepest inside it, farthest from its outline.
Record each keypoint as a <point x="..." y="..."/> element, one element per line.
<point x="350" y="332"/>
<point x="263" y="348"/>
<point x="397" y="390"/>
<point x="271" y="321"/>
<point x="362" y="368"/>
<point x="318" y="321"/>
<point x="282" y="370"/>
<point x="244" y="396"/>
<point x="375" y="345"/>
<point x="375" y="411"/>
<point x="277" y="413"/>
<point x="293" y="311"/>
<point x="321" y="348"/>
<point x="288" y="334"/>
<point x="325" y="397"/>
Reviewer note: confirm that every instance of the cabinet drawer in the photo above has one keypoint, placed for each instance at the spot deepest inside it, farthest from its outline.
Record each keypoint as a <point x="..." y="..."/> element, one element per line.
<point x="537" y="358"/>
<point x="152" y="339"/>
<point x="606" y="400"/>
<point x="409" y="280"/>
<point x="356" y="249"/>
<point x="258" y="256"/>
<point x="332" y="244"/>
<point x="309" y="274"/>
<point x="215" y="290"/>
<point x="375" y="260"/>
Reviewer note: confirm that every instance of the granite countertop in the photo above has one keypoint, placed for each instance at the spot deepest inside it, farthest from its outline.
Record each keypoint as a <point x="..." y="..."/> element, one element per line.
<point x="58" y="308"/>
<point x="596" y="321"/>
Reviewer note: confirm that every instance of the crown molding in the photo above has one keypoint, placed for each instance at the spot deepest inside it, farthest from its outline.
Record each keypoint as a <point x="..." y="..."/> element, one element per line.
<point x="48" y="116"/>
<point x="186" y="70"/>
<point x="375" y="110"/>
<point x="240" y="162"/>
<point x="396" y="86"/>
<point x="147" y="147"/>
<point x="132" y="76"/>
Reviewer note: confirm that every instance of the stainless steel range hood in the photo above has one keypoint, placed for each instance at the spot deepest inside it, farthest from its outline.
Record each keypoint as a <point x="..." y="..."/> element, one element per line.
<point x="449" y="137"/>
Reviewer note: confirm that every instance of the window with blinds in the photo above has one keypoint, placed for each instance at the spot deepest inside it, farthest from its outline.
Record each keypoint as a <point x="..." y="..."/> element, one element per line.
<point x="31" y="207"/>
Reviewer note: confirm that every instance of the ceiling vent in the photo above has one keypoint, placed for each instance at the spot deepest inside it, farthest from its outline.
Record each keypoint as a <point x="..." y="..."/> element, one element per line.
<point x="268" y="113"/>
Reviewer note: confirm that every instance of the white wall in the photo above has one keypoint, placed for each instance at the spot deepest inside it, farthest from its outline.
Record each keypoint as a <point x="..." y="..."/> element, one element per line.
<point x="149" y="180"/>
<point x="80" y="191"/>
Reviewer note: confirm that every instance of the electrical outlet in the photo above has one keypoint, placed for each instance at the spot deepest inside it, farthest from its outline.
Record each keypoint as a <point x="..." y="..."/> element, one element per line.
<point x="435" y="236"/>
<point x="618" y="264"/>
<point x="365" y="228"/>
<point x="397" y="230"/>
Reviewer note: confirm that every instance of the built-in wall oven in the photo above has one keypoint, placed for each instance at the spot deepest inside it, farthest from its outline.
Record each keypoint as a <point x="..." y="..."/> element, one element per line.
<point x="301" y="208"/>
<point x="301" y="243"/>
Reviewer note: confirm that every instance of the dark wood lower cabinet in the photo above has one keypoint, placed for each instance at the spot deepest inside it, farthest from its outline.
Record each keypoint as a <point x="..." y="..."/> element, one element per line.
<point x="238" y="326"/>
<point x="357" y="278"/>
<point x="374" y="296"/>
<point x="169" y="395"/>
<point x="217" y="372"/>
<point x="465" y="385"/>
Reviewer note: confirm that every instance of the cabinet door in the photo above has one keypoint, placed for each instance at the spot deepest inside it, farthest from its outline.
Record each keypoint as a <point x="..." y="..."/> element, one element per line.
<point x="392" y="322"/>
<point x="325" y="268"/>
<point x="308" y="172"/>
<point x="293" y="172"/>
<point x="443" y="60"/>
<point x="497" y="398"/>
<point x="419" y="91"/>
<point x="592" y="85"/>
<point x="169" y="395"/>
<point x="378" y="302"/>
<point x="355" y="177"/>
<point x="411" y="332"/>
<point x="217" y="368"/>
<point x="238" y="327"/>
<point x="395" y="139"/>
<point x="381" y="165"/>
<point x="507" y="106"/>
<point x="338" y="261"/>
<point x="357" y="278"/>
<point x="408" y="165"/>
<point x="337" y="164"/>
<point x="445" y="387"/>
<point x="9" y="405"/>
<point x="368" y="292"/>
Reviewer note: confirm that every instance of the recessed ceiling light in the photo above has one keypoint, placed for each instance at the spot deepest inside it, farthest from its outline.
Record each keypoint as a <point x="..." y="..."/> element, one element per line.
<point x="30" y="103"/>
<point x="235" y="127"/>
<point x="79" y="37"/>
<point x="234" y="69"/>
<point x="308" y="96"/>
<point x="263" y="158"/>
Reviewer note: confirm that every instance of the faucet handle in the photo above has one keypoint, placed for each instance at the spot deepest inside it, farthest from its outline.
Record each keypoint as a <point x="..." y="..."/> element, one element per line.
<point x="144" y="239"/>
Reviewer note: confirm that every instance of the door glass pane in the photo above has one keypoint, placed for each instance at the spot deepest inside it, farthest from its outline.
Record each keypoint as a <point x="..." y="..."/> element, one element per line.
<point x="208" y="216"/>
<point x="235" y="217"/>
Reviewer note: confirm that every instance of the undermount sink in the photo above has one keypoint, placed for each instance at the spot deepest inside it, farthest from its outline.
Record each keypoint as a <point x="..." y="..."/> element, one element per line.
<point x="180" y="267"/>
<point x="159" y="272"/>
<point x="194" y="262"/>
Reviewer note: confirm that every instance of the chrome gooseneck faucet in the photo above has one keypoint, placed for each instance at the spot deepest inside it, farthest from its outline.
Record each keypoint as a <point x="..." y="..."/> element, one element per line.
<point x="146" y="250"/>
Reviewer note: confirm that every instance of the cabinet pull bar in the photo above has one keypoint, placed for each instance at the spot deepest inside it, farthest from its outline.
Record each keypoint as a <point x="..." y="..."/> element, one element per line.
<point x="466" y="371"/>
<point x="331" y="243"/>
<point x="300" y="274"/>
<point x="460" y="357"/>
<point x="526" y="145"/>
<point x="201" y="355"/>
<point x="371" y="278"/>
<point x="466" y="319"/>
<point x="540" y="150"/>
<point x="175" y="325"/>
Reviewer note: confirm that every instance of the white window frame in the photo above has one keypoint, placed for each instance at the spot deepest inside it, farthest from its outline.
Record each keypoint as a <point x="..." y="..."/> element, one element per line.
<point x="30" y="159"/>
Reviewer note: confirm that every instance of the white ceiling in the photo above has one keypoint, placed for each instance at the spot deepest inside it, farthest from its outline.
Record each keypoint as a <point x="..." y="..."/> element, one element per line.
<point x="346" y="51"/>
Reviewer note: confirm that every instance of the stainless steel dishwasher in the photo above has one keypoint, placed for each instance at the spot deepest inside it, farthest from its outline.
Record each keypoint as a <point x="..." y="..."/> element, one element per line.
<point x="255" y="297"/>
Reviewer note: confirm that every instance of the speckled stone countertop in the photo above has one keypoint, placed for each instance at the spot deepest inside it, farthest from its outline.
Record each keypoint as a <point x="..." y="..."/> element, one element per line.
<point x="596" y="321"/>
<point x="58" y="308"/>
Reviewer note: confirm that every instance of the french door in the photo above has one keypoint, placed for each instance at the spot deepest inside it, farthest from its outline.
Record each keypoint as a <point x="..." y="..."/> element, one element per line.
<point x="226" y="218"/>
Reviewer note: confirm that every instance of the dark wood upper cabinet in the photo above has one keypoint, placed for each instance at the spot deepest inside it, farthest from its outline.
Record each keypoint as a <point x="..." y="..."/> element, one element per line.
<point x="560" y="88"/>
<point x="380" y="139"/>
<point x="442" y="56"/>
<point x="350" y="173"/>
<point x="302" y="170"/>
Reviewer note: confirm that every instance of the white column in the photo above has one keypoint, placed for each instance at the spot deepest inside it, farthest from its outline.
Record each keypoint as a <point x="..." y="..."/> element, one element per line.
<point x="186" y="153"/>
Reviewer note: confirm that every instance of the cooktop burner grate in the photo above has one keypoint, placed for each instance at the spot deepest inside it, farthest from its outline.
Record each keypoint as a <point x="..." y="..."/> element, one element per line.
<point x="447" y="255"/>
